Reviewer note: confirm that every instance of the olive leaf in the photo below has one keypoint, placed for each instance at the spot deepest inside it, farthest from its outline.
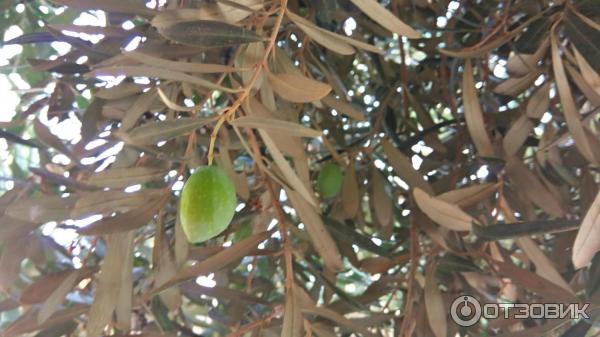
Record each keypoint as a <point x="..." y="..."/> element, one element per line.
<point x="208" y="34"/>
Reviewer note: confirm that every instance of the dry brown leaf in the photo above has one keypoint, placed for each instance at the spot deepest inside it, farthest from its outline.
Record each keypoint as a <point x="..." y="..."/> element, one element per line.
<point x="338" y="43"/>
<point x="297" y="88"/>
<point x="520" y="130"/>
<point x="470" y="195"/>
<point x="10" y="262"/>
<point x="102" y="202"/>
<point x="570" y="111"/>
<point x="13" y="229"/>
<point x="154" y="132"/>
<point x="520" y="175"/>
<point x="109" y="282"/>
<point x="384" y="209"/>
<point x="210" y="11"/>
<point x="290" y="146"/>
<point x="588" y="91"/>
<point x="381" y="264"/>
<point x="434" y="304"/>
<point x="186" y="67"/>
<point x="288" y="172"/>
<point x="320" y="237"/>
<point x="147" y="71"/>
<point x="272" y="124"/>
<point x="588" y="73"/>
<point x="292" y="315"/>
<point x="164" y="268"/>
<point x="215" y="262"/>
<point x="351" y="197"/>
<point x="50" y="139"/>
<point x="521" y="64"/>
<point x="181" y="244"/>
<point x="517" y="135"/>
<point x="474" y="115"/>
<point x="443" y="213"/>
<point x="336" y="317"/>
<point x="495" y="43"/>
<point x="320" y="35"/>
<point x="543" y="265"/>
<point x="239" y="179"/>
<point x="586" y="243"/>
<point x="123" y="177"/>
<point x="118" y="6"/>
<point x="344" y="108"/>
<point x="51" y="304"/>
<point x="28" y="322"/>
<point x="516" y="85"/>
<point x="123" y="310"/>
<point x="252" y="57"/>
<point x="141" y="105"/>
<point x="127" y="221"/>
<point x="43" y="287"/>
<point x="42" y="209"/>
<point x="533" y="282"/>
<point x="122" y="90"/>
<point x="381" y="15"/>
<point x="403" y="167"/>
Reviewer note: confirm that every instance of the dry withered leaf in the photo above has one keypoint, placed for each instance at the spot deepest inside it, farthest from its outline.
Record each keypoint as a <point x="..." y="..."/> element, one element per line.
<point x="320" y="237"/>
<point x="221" y="11"/>
<point x="468" y="135"/>
<point x="443" y="213"/>
<point x="143" y="71"/>
<point x="153" y="133"/>
<point x="474" y="114"/>
<point x="288" y="128"/>
<point x="338" y="43"/>
<point x="57" y="297"/>
<point x="351" y="198"/>
<point x="404" y="168"/>
<point x="297" y="88"/>
<point x="382" y="203"/>
<point x="41" y="209"/>
<point x="119" y="247"/>
<point x="122" y="177"/>
<point x="344" y="108"/>
<point x="292" y="325"/>
<point x="208" y="33"/>
<point x="385" y="18"/>
<point x="536" y="191"/>
<point x="570" y="111"/>
<point x="434" y="304"/>
<point x="585" y="246"/>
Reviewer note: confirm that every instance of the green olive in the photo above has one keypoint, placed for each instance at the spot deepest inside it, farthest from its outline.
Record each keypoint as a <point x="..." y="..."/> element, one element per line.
<point x="207" y="204"/>
<point x="329" y="182"/>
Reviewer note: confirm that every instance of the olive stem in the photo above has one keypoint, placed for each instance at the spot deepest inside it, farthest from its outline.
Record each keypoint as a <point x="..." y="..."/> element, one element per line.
<point x="230" y="113"/>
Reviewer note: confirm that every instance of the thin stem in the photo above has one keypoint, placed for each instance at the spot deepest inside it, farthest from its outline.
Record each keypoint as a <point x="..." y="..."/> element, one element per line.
<point x="230" y="113"/>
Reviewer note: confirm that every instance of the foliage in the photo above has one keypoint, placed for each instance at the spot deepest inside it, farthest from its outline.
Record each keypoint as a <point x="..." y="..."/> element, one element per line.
<point x="466" y="131"/>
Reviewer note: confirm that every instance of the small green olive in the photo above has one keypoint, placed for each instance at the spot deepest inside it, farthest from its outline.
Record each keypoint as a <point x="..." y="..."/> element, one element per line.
<point x="207" y="204"/>
<point x="329" y="182"/>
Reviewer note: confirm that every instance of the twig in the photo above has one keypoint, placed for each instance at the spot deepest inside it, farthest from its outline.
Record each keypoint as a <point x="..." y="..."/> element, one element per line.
<point x="230" y="113"/>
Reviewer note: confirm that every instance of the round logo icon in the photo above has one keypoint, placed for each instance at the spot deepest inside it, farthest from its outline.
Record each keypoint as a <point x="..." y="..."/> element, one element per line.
<point x="465" y="310"/>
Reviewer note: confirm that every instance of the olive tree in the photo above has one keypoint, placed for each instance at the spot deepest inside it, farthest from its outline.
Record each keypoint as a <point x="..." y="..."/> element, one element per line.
<point x="296" y="167"/>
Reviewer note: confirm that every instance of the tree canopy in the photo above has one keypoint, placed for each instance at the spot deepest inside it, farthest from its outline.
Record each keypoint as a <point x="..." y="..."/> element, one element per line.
<point x="387" y="157"/>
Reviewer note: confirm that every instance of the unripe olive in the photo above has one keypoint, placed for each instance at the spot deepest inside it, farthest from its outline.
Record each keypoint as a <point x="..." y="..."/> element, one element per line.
<point x="329" y="182"/>
<point x="207" y="204"/>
